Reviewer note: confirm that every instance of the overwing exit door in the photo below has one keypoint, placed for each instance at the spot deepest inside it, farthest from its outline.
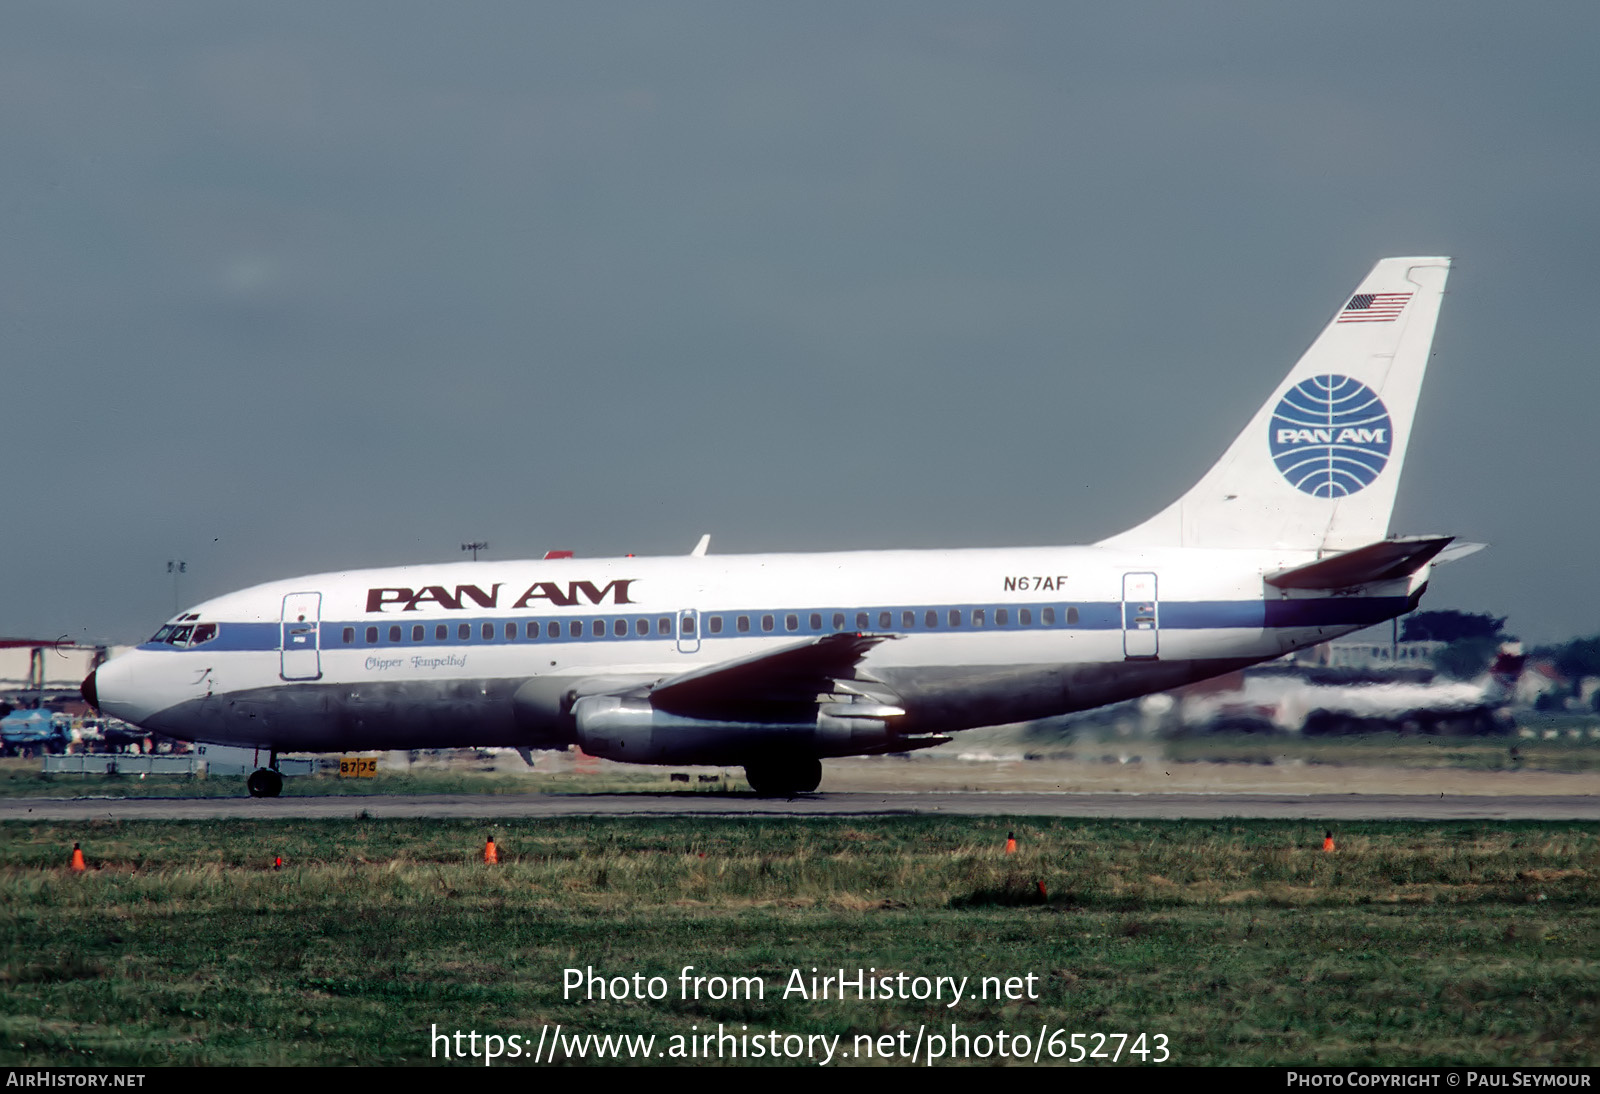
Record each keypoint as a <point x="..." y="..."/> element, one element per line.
<point x="689" y="631"/>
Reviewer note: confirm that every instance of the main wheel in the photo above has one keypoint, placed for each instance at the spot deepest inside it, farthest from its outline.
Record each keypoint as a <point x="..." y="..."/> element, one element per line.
<point x="784" y="778"/>
<point x="264" y="783"/>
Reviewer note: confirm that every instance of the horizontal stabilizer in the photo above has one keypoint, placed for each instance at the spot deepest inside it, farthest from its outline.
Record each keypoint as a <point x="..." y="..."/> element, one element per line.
<point x="1388" y="560"/>
<point x="1458" y="551"/>
<point x="766" y="685"/>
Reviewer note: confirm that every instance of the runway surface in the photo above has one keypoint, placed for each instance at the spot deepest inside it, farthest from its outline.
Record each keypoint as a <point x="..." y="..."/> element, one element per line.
<point x="935" y="803"/>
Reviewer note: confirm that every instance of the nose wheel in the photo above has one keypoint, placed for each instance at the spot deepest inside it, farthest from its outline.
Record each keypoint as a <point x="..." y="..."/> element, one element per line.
<point x="264" y="782"/>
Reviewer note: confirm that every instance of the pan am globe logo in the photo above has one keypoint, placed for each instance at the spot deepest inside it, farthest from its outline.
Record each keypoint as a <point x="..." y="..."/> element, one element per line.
<point x="1330" y="436"/>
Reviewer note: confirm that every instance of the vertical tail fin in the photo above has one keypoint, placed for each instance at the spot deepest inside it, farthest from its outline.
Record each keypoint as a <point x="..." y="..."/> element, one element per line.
<point x="1318" y="465"/>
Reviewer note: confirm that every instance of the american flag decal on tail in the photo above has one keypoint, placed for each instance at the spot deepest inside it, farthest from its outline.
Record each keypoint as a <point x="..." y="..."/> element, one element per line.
<point x="1374" y="307"/>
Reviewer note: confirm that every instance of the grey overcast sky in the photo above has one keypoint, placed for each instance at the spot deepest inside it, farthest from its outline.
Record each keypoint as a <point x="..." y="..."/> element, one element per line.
<point x="294" y="287"/>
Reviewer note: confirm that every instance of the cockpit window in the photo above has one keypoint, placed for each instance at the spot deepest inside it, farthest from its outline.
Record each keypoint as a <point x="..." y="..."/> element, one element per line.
<point x="185" y="635"/>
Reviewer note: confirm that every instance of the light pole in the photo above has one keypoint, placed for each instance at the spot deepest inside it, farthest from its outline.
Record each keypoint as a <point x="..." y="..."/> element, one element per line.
<point x="176" y="567"/>
<point x="475" y="546"/>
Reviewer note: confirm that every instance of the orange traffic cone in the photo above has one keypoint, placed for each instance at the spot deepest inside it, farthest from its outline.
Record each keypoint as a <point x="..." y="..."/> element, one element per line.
<point x="1011" y="843"/>
<point x="490" y="855"/>
<point x="1327" y="842"/>
<point x="77" y="859"/>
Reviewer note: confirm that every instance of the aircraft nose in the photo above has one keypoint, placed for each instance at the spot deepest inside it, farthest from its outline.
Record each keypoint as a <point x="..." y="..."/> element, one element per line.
<point x="90" y="694"/>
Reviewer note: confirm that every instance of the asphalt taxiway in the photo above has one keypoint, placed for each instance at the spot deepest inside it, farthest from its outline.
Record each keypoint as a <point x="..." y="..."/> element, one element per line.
<point x="1341" y="807"/>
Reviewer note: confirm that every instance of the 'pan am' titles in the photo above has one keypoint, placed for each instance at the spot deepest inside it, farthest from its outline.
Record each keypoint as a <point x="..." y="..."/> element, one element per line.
<point x="1330" y="436"/>
<point x="410" y="600"/>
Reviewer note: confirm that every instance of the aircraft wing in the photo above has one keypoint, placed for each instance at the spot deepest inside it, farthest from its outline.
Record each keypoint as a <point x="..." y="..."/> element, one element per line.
<point x="769" y="686"/>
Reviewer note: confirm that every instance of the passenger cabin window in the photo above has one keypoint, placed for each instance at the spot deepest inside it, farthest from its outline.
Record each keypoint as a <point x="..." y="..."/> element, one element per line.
<point x="1047" y="616"/>
<point x="1072" y="615"/>
<point x="642" y="626"/>
<point x="620" y="628"/>
<point x="838" y="621"/>
<point x="664" y="625"/>
<point x="955" y="617"/>
<point x="908" y="619"/>
<point x="464" y="631"/>
<point x="372" y="636"/>
<point x="766" y="622"/>
<point x="885" y="620"/>
<point x="977" y="617"/>
<point x="744" y="624"/>
<point x="931" y="619"/>
<point x="1025" y="617"/>
<point x="598" y="628"/>
<point x="575" y="628"/>
<point x="791" y="622"/>
<point x="716" y="624"/>
<point x="416" y="633"/>
<point x="511" y="630"/>
<point x="688" y="626"/>
<point x="487" y="631"/>
<point x="441" y="632"/>
<point x="1002" y="617"/>
<point x="863" y="621"/>
<point x="349" y="635"/>
<point x="394" y="633"/>
<point x="816" y="621"/>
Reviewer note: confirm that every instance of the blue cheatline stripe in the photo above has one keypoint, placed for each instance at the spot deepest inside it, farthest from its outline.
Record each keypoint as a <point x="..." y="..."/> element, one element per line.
<point x="811" y="622"/>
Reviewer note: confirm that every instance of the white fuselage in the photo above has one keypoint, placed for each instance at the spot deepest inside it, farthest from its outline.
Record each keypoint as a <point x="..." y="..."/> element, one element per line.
<point x="494" y="653"/>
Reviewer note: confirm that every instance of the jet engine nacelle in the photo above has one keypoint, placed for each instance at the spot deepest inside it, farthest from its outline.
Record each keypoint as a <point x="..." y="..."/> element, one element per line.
<point x="633" y="730"/>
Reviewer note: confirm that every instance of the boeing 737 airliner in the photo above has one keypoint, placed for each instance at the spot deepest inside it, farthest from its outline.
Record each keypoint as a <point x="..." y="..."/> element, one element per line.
<point x="773" y="662"/>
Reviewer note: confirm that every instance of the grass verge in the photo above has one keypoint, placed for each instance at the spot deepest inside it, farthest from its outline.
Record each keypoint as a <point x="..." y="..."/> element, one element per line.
<point x="1241" y="942"/>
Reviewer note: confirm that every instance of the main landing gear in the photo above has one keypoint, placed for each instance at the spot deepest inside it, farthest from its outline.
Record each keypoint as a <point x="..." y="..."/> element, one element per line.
<point x="265" y="782"/>
<point x="784" y="778"/>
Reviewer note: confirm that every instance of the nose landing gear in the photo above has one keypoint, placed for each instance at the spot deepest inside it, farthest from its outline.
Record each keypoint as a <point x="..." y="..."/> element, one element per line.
<point x="265" y="782"/>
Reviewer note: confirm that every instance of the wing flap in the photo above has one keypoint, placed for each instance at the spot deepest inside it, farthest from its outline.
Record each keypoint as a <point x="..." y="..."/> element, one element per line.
<point x="765" y="686"/>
